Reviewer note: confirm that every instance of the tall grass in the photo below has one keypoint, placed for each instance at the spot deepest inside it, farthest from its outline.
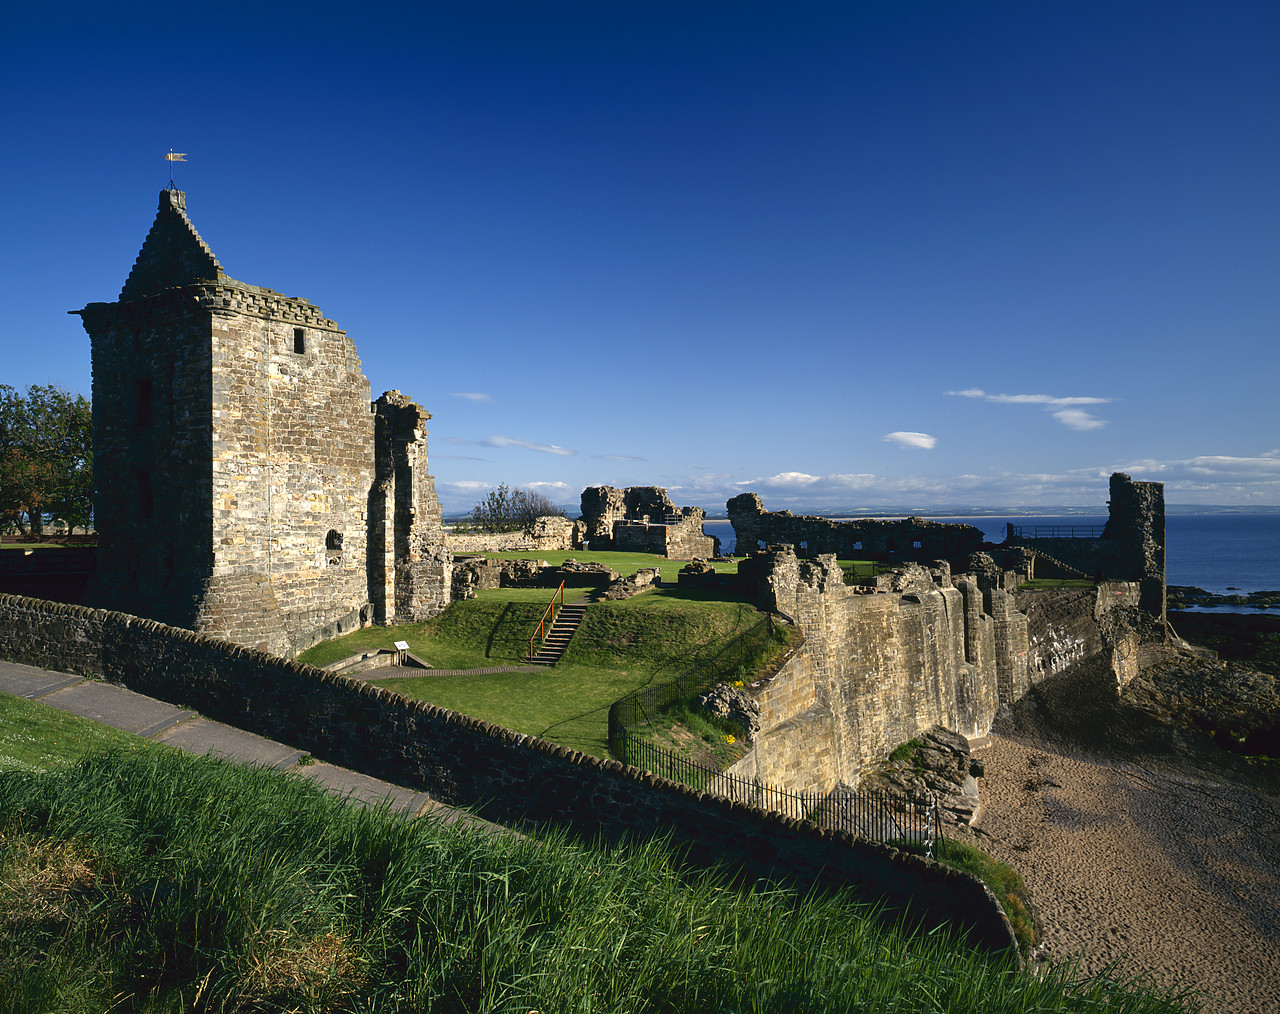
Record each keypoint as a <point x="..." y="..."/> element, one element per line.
<point x="168" y="883"/>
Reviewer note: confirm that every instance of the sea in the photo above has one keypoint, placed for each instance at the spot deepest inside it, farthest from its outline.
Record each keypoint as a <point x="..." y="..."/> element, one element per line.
<point x="1225" y="554"/>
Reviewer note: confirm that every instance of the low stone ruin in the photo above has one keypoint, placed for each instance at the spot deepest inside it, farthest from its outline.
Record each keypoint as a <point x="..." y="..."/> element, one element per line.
<point x="643" y="519"/>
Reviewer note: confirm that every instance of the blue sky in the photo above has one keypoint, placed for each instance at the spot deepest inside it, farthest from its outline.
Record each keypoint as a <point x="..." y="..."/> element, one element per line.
<point x="889" y="254"/>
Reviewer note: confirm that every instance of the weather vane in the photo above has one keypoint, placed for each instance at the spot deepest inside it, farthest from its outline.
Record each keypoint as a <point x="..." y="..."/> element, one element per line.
<point x="172" y="157"/>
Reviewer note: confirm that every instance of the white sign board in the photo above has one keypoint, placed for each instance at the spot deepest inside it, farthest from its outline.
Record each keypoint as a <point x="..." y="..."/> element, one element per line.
<point x="402" y="645"/>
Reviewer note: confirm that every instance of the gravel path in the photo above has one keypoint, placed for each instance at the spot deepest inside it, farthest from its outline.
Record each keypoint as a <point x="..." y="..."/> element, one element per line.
<point x="1176" y="878"/>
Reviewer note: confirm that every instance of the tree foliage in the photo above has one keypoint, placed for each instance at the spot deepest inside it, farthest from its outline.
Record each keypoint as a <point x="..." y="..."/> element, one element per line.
<point x="511" y="510"/>
<point x="46" y="458"/>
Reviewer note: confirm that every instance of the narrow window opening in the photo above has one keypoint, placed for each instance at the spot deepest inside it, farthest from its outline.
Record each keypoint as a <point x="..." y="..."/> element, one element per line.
<point x="858" y="545"/>
<point x="146" y="500"/>
<point x="299" y="341"/>
<point x="917" y="544"/>
<point x="333" y="548"/>
<point x="142" y="414"/>
<point x="173" y="389"/>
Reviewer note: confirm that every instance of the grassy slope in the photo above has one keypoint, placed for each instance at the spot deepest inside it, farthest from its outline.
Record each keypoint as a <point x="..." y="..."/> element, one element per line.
<point x="620" y="647"/>
<point x="159" y="882"/>
<point x="37" y="737"/>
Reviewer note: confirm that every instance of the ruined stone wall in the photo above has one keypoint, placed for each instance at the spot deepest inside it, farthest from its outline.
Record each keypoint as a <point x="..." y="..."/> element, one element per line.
<point x="1131" y="547"/>
<point x="601" y="507"/>
<point x="876" y="669"/>
<point x="642" y="519"/>
<point x="465" y="762"/>
<point x="549" y="534"/>
<point x="862" y="539"/>
<point x="1062" y="628"/>
<point x="408" y="562"/>
<point x="1135" y="535"/>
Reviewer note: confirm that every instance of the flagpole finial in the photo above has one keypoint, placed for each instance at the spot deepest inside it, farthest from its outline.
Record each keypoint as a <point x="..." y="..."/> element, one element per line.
<point x="172" y="157"/>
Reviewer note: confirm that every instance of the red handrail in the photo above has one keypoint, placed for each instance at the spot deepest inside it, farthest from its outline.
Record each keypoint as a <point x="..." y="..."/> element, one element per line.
<point x="551" y="608"/>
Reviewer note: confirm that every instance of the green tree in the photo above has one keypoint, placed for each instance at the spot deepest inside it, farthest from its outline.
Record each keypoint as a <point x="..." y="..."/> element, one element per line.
<point x="46" y="458"/>
<point x="511" y="510"/>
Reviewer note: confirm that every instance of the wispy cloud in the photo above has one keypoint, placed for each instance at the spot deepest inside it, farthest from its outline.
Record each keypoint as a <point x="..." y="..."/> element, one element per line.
<point x="1067" y="413"/>
<point x="906" y="438"/>
<point x="1078" y="419"/>
<point x="528" y="445"/>
<point x="790" y="480"/>
<point x="501" y="441"/>
<point x="618" y="457"/>
<point x="476" y="396"/>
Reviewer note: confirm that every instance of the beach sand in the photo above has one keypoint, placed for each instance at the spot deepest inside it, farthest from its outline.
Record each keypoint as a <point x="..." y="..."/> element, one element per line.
<point x="1175" y="878"/>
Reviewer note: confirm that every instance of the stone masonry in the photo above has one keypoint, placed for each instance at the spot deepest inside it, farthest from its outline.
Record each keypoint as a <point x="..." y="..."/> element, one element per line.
<point x="861" y="539"/>
<point x="643" y="519"/>
<point x="246" y="487"/>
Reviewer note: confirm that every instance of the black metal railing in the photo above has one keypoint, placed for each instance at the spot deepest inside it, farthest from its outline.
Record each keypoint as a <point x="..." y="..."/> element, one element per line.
<point x="1057" y="531"/>
<point x="879" y="816"/>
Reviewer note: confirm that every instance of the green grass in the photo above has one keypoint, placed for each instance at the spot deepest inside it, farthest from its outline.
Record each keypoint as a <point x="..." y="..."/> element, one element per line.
<point x="688" y="731"/>
<point x="1005" y="883"/>
<point x="860" y="570"/>
<point x="164" y="883"/>
<point x="625" y="564"/>
<point x="37" y="737"/>
<point x="620" y="647"/>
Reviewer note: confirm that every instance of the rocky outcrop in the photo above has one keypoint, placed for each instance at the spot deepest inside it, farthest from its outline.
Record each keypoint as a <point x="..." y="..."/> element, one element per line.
<point x="934" y="764"/>
<point x="732" y="704"/>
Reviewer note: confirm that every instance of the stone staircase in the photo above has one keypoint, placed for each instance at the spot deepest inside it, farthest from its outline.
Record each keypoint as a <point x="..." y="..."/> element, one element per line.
<point x="1057" y="563"/>
<point x="558" y="637"/>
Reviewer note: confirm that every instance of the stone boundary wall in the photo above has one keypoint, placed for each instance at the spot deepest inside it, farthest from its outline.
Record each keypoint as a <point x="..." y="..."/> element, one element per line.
<point x="467" y="762"/>
<point x="549" y="534"/>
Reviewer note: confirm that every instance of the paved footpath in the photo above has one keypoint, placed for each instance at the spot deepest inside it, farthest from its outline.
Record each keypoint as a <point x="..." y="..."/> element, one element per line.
<point x="160" y="722"/>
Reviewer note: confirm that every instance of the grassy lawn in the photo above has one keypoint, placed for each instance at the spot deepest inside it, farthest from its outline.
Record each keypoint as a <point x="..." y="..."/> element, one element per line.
<point x="624" y="563"/>
<point x="567" y="704"/>
<point x="36" y="737"/>
<point x="621" y="646"/>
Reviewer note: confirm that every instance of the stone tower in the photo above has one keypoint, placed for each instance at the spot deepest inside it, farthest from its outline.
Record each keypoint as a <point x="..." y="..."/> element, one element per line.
<point x="246" y="487"/>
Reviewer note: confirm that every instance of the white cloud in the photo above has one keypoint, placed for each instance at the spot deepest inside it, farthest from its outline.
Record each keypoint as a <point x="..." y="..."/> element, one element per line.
<point x="618" y="457"/>
<point x="906" y="438"/>
<point x="1078" y="419"/>
<point x="476" y="396"/>
<point x="1067" y="414"/>
<point x="789" y="480"/>
<point x="528" y="445"/>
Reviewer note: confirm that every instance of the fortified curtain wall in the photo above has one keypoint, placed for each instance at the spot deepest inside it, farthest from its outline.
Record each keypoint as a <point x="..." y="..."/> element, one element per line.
<point x="876" y="669"/>
<point x="866" y="538"/>
<point x="505" y="776"/>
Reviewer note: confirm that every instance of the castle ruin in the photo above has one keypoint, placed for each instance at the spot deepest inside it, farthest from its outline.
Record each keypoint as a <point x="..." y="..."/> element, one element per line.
<point x="246" y="486"/>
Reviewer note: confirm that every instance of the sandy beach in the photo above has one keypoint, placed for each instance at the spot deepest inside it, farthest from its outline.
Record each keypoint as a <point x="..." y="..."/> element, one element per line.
<point x="1176" y="878"/>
